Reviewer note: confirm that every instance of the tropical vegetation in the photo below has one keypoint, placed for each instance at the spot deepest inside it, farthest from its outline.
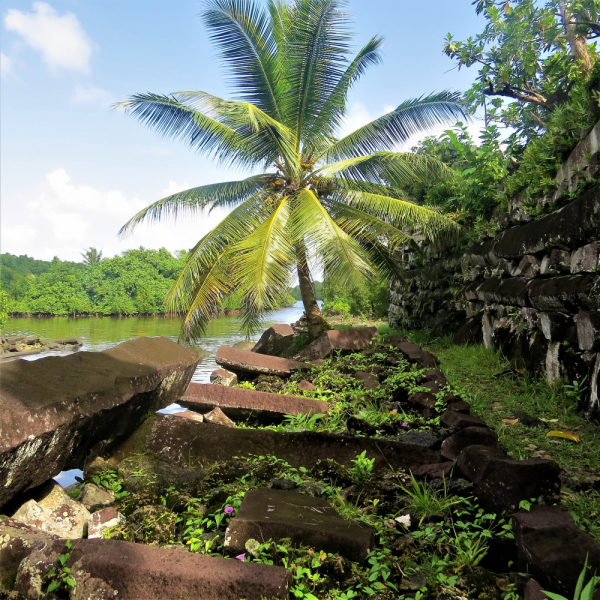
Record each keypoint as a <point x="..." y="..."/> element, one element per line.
<point x="134" y="283"/>
<point x="319" y="200"/>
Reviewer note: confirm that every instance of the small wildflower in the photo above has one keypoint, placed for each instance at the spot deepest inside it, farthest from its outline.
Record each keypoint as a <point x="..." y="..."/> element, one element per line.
<point x="228" y="510"/>
<point x="405" y="424"/>
<point x="241" y="556"/>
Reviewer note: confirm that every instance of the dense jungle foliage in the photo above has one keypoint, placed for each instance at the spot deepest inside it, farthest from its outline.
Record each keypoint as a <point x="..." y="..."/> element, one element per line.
<point x="134" y="283"/>
<point x="539" y="98"/>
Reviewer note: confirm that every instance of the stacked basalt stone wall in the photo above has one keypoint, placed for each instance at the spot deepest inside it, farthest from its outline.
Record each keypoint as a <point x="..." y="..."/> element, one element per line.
<point x="532" y="291"/>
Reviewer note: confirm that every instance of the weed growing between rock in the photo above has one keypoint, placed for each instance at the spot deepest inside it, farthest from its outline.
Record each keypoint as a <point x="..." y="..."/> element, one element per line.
<point x="432" y="539"/>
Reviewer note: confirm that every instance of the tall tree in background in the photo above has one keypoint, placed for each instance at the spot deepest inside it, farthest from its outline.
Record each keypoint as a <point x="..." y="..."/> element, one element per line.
<point x="318" y="201"/>
<point x="530" y="52"/>
<point x="91" y="256"/>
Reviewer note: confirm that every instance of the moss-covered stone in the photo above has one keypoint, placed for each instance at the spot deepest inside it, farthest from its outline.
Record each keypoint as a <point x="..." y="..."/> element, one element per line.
<point x="153" y="524"/>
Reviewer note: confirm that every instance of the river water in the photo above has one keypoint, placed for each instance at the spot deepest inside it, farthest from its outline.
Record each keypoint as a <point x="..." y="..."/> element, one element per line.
<point x="100" y="333"/>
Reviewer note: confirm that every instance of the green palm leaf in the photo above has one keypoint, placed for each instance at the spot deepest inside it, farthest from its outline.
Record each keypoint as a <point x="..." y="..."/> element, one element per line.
<point x="263" y="263"/>
<point x="341" y="256"/>
<point x="244" y="34"/>
<point x="332" y="112"/>
<point x="198" y="199"/>
<point x="410" y="118"/>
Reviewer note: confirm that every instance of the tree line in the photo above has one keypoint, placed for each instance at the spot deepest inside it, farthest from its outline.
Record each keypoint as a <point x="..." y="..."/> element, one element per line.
<point x="133" y="283"/>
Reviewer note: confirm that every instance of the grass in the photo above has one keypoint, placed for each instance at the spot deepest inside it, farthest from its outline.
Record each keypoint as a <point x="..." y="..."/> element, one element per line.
<point x="484" y="378"/>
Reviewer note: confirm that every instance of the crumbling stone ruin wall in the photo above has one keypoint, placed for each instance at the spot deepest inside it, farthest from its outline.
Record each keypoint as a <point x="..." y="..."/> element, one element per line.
<point x="532" y="291"/>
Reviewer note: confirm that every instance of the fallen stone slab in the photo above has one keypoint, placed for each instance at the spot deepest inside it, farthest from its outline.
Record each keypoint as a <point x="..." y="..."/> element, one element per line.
<point x="500" y="483"/>
<point x="370" y="380"/>
<point x="306" y="386"/>
<point x="252" y="362"/>
<point x="416" y="354"/>
<point x="275" y="340"/>
<point x="54" y="410"/>
<point x="55" y="512"/>
<point x="469" y="436"/>
<point x="554" y="548"/>
<point x="136" y="571"/>
<point x="455" y="419"/>
<point x="223" y="377"/>
<point x="240" y="404"/>
<point x="182" y="442"/>
<point x="344" y="340"/>
<point x="276" y="514"/>
<point x="435" y="471"/>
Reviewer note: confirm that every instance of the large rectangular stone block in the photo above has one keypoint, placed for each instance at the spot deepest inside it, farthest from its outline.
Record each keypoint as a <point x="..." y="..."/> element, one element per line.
<point x="277" y="514"/>
<point x="241" y="404"/>
<point x="345" y="340"/>
<point x="183" y="442"/>
<point x="568" y="228"/>
<point x="247" y="361"/>
<point x="54" y="410"/>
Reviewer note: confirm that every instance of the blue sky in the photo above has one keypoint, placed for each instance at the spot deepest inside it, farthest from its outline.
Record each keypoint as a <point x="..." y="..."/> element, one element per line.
<point x="73" y="171"/>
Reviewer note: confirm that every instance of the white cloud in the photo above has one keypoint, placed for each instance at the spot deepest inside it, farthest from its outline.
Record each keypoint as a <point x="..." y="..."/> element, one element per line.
<point x="61" y="40"/>
<point x="63" y="217"/>
<point x="5" y="64"/>
<point x="92" y="95"/>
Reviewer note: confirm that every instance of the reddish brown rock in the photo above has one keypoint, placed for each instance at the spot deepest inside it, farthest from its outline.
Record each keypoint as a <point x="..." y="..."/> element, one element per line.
<point x="218" y="417"/>
<point x="137" y="571"/>
<point x="501" y="483"/>
<point x="534" y="591"/>
<point x="424" y="402"/>
<point x="554" y="548"/>
<point x="190" y="414"/>
<point x="103" y="520"/>
<point x="435" y="471"/>
<point x="17" y="541"/>
<point x="252" y="362"/>
<point x="275" y="340"/>
<point x="312" y="522"/>
<point x="240" y="404"/>
<point x="223" y="377"/>
<point x="55" y="512"/>
<point x="470" y="436"/>
<point x="345" y="340"/>
<point x="452" y="418"/>
<point x="306" y="386"/>
<point x="182" y="442"/>
<point x="437" y="376"/>
<point x="370" y="380"/>
<point x="54" y="410"/>
<point x="461" y="407"/>
<point x="416" y="354"/>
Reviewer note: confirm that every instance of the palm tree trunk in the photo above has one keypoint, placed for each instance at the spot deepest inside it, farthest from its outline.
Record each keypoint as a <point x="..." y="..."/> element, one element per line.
<point x="317" y="325"/>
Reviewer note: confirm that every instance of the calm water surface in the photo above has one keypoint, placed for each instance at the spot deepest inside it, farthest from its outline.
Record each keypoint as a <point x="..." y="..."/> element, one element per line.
<point x="100" y="333"/>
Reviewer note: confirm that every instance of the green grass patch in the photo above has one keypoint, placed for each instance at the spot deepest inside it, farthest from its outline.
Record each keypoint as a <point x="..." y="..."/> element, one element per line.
<point x="495" y="391"/>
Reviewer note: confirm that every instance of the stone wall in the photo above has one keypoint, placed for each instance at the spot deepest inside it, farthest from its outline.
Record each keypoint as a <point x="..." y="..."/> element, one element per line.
<point x="532" y="291"/>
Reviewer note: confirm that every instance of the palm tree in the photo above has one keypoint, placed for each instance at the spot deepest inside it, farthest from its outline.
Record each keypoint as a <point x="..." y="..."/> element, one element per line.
<point x="318" y="201"/>
<point x="91" y="256"/>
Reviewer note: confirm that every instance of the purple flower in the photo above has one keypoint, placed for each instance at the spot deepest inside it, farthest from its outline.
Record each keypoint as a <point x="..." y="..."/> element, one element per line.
<point x="241" y="557"/>
<point x="404" y="424"/>
<point x="228" y="510"/>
